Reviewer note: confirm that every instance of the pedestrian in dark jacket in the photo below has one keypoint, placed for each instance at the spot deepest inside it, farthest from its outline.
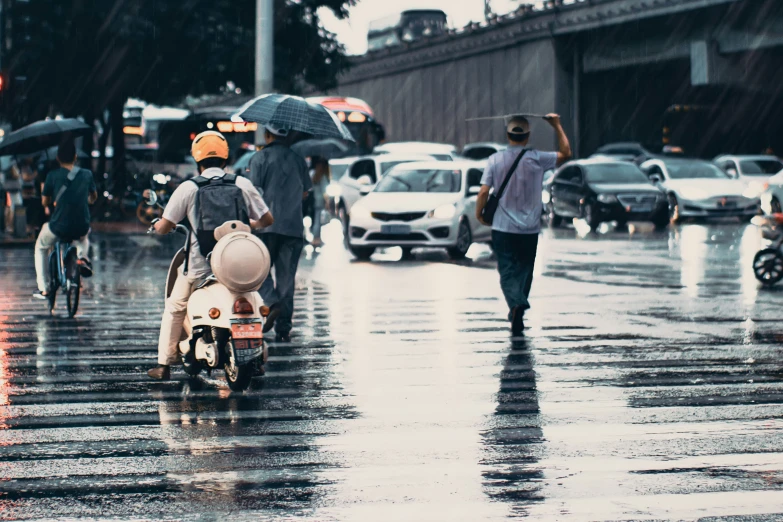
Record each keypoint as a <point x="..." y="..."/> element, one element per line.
<point x="281" y="177"/>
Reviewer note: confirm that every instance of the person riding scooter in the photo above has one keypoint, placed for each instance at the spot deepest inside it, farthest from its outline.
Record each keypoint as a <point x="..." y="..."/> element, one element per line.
<point x="206" y="209"/>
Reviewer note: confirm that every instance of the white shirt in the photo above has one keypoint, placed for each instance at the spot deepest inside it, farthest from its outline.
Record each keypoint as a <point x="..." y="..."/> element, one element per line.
<point x="183" y="203"/>
<point x="520" y="207"/>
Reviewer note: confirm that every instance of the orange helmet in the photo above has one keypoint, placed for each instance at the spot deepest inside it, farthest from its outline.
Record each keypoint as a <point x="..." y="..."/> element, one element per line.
<point x="209" y="144"/>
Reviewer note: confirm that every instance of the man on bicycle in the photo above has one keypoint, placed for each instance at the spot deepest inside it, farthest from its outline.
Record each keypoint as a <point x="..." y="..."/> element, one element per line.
<point x="70" y="189"/>
<point x="210" y="150"/>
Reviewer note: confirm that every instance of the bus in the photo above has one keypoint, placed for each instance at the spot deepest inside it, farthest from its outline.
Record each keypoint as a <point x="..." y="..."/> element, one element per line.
<point x="358" y="117"/>
<point x="405" y="27"/>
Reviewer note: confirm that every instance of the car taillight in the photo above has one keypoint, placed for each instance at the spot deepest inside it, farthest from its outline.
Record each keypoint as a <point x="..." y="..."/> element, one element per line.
<point x="214" y="313"/>
<point x="243" y="306"/>
<point x="264" y="311"/>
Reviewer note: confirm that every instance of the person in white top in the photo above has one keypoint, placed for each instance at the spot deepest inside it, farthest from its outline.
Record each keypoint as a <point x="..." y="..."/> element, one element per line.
<point x="210" y="150"/>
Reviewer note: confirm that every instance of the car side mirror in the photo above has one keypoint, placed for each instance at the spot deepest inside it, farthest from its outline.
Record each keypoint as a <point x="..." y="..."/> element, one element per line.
<point x="656" y="178"/>
<point x="364" y="179"/>
<point x="365" y="189"/>
<point x="732" y="173"/>
<point x="474" y="190"/>
<point x="150" y="197"/>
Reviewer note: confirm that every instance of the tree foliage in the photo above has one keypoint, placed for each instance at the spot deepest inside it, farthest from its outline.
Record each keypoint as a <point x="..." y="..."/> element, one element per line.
<point x="80" y="56"/>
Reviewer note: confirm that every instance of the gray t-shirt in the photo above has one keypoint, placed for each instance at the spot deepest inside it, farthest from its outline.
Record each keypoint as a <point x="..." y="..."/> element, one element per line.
<point x="281" y="177"/>
<point x="519" y="211"/>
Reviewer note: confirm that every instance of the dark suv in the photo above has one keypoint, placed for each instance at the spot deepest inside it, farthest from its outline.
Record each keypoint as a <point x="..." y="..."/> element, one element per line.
<point x="601" y="190"/>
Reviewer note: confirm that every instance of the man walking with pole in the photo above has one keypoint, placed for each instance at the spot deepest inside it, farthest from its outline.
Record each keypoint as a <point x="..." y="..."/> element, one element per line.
<point x="514" y="209"/>
<point x="281" y="177"/>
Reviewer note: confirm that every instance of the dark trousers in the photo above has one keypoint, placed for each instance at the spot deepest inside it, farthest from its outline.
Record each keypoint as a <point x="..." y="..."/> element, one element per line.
<point x="284" y="252"/>
<point x="516" y="254"/>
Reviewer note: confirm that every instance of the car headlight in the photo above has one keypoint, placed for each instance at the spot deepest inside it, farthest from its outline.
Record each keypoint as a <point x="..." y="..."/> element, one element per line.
<point x="607" y="198"/>
<point x="546" y="197"/>
<point x="443" y="212"/>
<point x="333" y="190"/>
<point x="358" y="211"/>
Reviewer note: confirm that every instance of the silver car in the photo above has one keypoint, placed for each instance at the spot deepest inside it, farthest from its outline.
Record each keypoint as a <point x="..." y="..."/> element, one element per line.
<point x="699" y="189"/>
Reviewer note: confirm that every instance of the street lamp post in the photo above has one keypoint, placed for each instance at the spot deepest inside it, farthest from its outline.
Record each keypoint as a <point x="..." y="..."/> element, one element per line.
<point x="264" y="52"/>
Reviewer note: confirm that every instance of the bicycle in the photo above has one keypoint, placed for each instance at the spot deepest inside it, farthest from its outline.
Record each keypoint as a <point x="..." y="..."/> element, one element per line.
<point x="64" y="272"/>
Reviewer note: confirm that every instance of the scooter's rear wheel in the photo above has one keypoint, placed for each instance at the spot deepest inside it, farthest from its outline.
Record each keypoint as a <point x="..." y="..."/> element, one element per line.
<point x="238" y="377"/>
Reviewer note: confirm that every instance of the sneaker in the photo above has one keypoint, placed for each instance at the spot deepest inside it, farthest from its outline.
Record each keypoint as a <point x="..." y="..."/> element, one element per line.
<point x="41" y="295"/>
<point x="283" y="338"/>
<point x="517" y="321"/>
<point x="85" y="267"/>
<point x="161" y="372"/>
<point x="274" y="313"/>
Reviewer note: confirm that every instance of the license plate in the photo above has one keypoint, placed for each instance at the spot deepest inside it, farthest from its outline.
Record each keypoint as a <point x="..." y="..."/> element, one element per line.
<point x="640" y="209"/>
<point x="245" y="350"/>
<point x="727" y="204"/>
<point x="246" y="331"/>
<point x="395" y="229"/>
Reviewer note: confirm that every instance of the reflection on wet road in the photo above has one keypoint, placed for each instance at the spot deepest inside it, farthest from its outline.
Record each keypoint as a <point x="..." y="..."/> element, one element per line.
<point x="649" y="385"/>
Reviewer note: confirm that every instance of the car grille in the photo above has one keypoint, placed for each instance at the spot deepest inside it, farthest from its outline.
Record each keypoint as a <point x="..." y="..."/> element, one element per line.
<point x="632" y="200"/>
<point x="404" y="216"/>
<point x="414" y="236"/>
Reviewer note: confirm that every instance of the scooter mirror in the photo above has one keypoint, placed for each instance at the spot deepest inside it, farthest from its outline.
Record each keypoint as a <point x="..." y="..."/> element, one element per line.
<point x="151" y="197"/>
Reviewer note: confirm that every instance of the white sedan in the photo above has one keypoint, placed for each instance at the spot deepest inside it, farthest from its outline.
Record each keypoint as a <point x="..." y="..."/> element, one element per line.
<point x="423" y="204"/>
<point x="699" y="189"/>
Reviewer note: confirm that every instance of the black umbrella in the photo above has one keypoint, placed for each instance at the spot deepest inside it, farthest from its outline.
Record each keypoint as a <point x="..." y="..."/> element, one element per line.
<point x="42" y="135"/>
<point x="327" y="149"/>
<point x="294" y="113"/>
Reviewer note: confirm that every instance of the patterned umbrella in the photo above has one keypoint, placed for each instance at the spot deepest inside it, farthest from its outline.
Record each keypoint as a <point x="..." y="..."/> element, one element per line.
<point x="42" y="135"/>
<point x="328" y="149"/>
<point x="294" y="114"/>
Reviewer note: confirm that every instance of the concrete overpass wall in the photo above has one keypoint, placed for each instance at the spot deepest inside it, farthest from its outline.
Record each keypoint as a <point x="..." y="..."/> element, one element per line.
<point x="433" y="103"/>
<point x="595" y="63"/>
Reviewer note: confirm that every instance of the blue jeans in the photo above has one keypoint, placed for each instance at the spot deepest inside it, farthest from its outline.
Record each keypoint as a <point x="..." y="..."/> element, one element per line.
<point x="516" y="254"/>
<point x="284" y="252"/>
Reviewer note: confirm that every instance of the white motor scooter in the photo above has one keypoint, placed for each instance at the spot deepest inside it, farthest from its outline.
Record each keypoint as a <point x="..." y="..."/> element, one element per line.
<point x="225" y="314"/>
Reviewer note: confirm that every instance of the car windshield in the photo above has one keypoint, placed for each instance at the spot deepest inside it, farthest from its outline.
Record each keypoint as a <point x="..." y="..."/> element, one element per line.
<point x="338" y="170"/>
<point x="761" y="167"/>
<point x="423" y="180"/>
<point x="694" y="170"/>
<point x="386" y="166"/>
<point x="615" y="173"/>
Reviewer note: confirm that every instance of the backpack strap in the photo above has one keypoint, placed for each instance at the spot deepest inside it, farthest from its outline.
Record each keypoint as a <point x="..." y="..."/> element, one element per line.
<point x="200" y="181"/>
<point x="231" y="179"/>
<point x="67" y="183"/>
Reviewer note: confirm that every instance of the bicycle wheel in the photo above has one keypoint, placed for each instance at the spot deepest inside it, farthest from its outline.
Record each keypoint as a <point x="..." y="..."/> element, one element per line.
<point x="54" y="277"/>
<point x="74" y="282"/>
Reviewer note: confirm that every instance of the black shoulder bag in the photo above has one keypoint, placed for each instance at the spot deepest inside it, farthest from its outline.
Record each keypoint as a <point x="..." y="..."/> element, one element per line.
<point x="488" y="212"/>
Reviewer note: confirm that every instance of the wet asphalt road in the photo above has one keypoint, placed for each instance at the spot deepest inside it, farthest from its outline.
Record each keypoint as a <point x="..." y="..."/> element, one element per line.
<point x="649" y="386"/>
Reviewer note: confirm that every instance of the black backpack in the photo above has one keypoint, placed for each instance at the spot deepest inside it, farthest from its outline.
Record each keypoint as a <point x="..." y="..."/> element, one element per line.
<point x="218" y="200"/>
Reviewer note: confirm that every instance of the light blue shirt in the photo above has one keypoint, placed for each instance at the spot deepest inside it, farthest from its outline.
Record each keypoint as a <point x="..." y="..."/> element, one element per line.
<point x="519" y="211"/>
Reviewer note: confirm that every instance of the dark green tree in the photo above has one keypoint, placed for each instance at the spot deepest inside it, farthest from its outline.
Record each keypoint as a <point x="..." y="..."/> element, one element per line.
<point x="86" y="57"/>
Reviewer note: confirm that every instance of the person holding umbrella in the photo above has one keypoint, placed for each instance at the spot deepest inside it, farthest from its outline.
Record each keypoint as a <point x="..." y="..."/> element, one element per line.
<point x="281" y="176"/>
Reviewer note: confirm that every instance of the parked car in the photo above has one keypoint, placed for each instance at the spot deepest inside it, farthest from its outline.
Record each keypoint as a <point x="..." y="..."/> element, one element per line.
<point x="626" y="151"/>
<point x="772" y="194"/>
<point x="241" y="166"/>
<point x="423" y="204"/>
<point x="360" y="177"/>
<point x="749" y="168"/>
<point x="601" y="190"/>
<point x="439" y="151"/>
<point x="757" y="173"/>
<point x="699" y="189"/>
<point x="482" y="150"/>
